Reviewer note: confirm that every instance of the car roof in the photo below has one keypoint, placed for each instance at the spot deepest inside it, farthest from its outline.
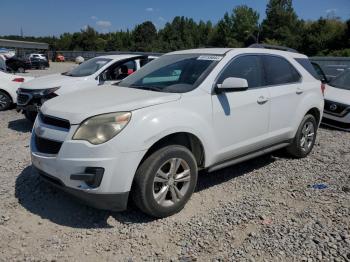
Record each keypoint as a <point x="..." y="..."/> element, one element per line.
<point x="224" y="51"/>
<point x="119" y="57"/>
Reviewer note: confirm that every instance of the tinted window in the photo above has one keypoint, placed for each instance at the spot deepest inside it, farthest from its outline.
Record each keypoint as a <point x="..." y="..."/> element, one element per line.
<point x="311" y="68"/>
<point x="279" y="71"/>
<point x="247" y="67"/>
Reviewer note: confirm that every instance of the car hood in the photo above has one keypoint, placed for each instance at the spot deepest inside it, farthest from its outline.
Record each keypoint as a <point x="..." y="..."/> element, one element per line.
<point x="79" y="106"/>
<point x="51" y="81"/>
<point x="337" y="95"/>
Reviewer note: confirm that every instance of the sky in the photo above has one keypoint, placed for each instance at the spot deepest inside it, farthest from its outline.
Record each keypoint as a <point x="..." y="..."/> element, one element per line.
<point x="54" y="17"/>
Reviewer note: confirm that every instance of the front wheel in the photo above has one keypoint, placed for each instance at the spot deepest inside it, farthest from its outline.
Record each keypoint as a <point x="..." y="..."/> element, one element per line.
<point x="304" y="139"/>
<point x="165" y="181"/>
<point x="5" y="101"/>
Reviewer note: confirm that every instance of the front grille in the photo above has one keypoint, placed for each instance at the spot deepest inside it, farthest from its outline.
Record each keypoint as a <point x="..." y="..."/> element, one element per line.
<point x="336" y="109"/>
<point x="336" y="123"/>
<point x="54" y="121"/>
<point x="23" y="99"/>
<point x="47" y="146"/>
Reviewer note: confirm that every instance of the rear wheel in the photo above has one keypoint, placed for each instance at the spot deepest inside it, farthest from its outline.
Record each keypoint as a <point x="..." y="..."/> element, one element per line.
<point x="5" y="101"/>
<point x="305" y="138"/>
<point x="30" y="115"/>
<point x="165" y="181"/>
<point x="21" y="70"/>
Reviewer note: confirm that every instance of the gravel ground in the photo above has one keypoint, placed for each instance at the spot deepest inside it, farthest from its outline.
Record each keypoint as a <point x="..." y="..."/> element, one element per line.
<point x="261" y="210"/>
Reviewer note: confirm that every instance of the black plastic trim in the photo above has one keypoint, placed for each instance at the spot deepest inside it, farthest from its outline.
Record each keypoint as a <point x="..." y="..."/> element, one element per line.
<point x="112" y="202"/>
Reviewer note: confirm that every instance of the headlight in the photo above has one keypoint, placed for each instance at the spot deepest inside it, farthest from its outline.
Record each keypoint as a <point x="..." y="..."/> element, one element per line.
<point x="48" y="91"/>
<point x="100" y="129"/>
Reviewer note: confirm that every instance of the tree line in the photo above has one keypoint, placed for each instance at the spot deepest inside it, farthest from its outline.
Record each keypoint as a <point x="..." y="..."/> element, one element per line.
<point x="239" y="28"/>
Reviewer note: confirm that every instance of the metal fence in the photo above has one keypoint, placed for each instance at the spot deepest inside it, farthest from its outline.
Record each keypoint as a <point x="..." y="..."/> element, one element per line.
<point x="71" y="55"/>
<point x="329" y="60"/>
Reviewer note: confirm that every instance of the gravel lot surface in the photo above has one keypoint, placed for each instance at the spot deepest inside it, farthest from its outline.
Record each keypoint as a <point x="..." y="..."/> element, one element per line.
<point x="261" y="210"/>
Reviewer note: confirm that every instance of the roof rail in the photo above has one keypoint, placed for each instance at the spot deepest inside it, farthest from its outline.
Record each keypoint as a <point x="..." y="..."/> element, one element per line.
<point x="266" y="46"/>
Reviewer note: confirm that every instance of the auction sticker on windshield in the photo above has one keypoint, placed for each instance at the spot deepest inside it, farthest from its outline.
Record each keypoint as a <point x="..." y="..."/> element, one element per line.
<point x="210" y="57"/>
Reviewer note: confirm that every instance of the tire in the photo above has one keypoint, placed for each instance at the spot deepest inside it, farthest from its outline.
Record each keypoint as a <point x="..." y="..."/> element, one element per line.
<point x="304" y="139"/>
<point x="30" y="115"/>
<point x="169" y="194"/>
<point x="5" y="101"/>
<point x="21" y="70"/>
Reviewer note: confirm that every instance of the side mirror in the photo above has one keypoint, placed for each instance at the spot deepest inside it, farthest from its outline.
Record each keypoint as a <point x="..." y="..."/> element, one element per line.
<point x="233" y="84"/>
<point x="102" y="78"/>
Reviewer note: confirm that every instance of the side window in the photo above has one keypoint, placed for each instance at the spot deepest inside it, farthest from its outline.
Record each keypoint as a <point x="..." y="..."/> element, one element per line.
<point x="131" y="66"/>
<point x="279" y="71"/>
<point x="247" y="67"/>
<point x="313" y="68"/>
<point x="119" y="71"/>
<point x="145" y="61"/>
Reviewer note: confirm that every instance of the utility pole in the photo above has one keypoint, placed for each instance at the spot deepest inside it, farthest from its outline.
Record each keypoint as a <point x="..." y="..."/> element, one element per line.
<point x="22" y="32"/>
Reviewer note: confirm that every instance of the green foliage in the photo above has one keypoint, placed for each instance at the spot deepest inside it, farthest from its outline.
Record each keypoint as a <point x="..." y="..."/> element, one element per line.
<point x="239" y="28"/>
<point x="323" y="36"/>
<point x="144" y="36"/>
<point x="282" y="24"/>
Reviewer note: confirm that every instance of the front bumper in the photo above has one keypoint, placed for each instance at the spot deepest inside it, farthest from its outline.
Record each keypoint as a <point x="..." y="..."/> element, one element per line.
<point x="74" y="157"/>
<point x="342" y="123"/>
<point x="113" y="202"/>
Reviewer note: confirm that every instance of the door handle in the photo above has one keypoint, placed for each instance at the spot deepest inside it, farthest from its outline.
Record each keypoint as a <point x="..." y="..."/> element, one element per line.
<point x="299" y="91"/>
<point x="262" y="100"/>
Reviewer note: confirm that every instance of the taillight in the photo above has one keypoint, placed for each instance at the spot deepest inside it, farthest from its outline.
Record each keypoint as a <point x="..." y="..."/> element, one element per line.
<point x="323" y="88"/>
<point x="18" y="79"/>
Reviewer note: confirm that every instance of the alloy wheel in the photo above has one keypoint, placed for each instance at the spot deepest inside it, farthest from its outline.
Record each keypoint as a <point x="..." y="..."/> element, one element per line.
<point x="3" y="101"/>
<point x="307" y="136"/>
<point x="171" y="182"/>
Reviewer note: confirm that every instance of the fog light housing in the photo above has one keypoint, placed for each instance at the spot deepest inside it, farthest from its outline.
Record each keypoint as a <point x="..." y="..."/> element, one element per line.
<point x="92" y="176"/>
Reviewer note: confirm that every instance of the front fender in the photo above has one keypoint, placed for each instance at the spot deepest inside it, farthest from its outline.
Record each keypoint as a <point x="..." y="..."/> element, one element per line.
<point x="149" y="125"/>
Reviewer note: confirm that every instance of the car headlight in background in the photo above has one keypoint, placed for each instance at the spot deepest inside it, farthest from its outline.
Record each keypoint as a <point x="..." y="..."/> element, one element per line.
<point x="102" y="128"/>
<point x="49" y="91"/>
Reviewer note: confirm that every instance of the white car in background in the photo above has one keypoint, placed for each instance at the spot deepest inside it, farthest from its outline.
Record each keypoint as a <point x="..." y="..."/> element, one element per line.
<point x="9" y="83"/>
<point x="95" y="72"/>
<point x="337" y="102"/>
<point x="37" y="56"/>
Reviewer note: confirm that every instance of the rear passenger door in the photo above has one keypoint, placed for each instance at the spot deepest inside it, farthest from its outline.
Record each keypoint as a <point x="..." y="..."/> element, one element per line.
<point x="286" y="93"/>
<point x="241" y="118"/>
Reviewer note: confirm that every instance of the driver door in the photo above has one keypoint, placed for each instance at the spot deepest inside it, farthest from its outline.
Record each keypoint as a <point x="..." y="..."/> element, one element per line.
<point x="241" y="118"/>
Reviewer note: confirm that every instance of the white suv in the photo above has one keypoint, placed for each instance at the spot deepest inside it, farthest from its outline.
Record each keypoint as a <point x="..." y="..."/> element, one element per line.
<point x="188" y="110"/>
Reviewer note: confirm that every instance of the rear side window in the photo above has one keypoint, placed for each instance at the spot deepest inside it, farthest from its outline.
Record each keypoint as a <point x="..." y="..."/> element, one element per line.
<point x="278" y="71"/>
<point x="304" y="62"/>
<point x="247" y="67"/>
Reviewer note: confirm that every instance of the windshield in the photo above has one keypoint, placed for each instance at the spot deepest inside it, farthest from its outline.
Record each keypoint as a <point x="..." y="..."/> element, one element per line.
<point x="88" y="68"/>
<point x="173" y="73"/>
<point x="342" y="81"/>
